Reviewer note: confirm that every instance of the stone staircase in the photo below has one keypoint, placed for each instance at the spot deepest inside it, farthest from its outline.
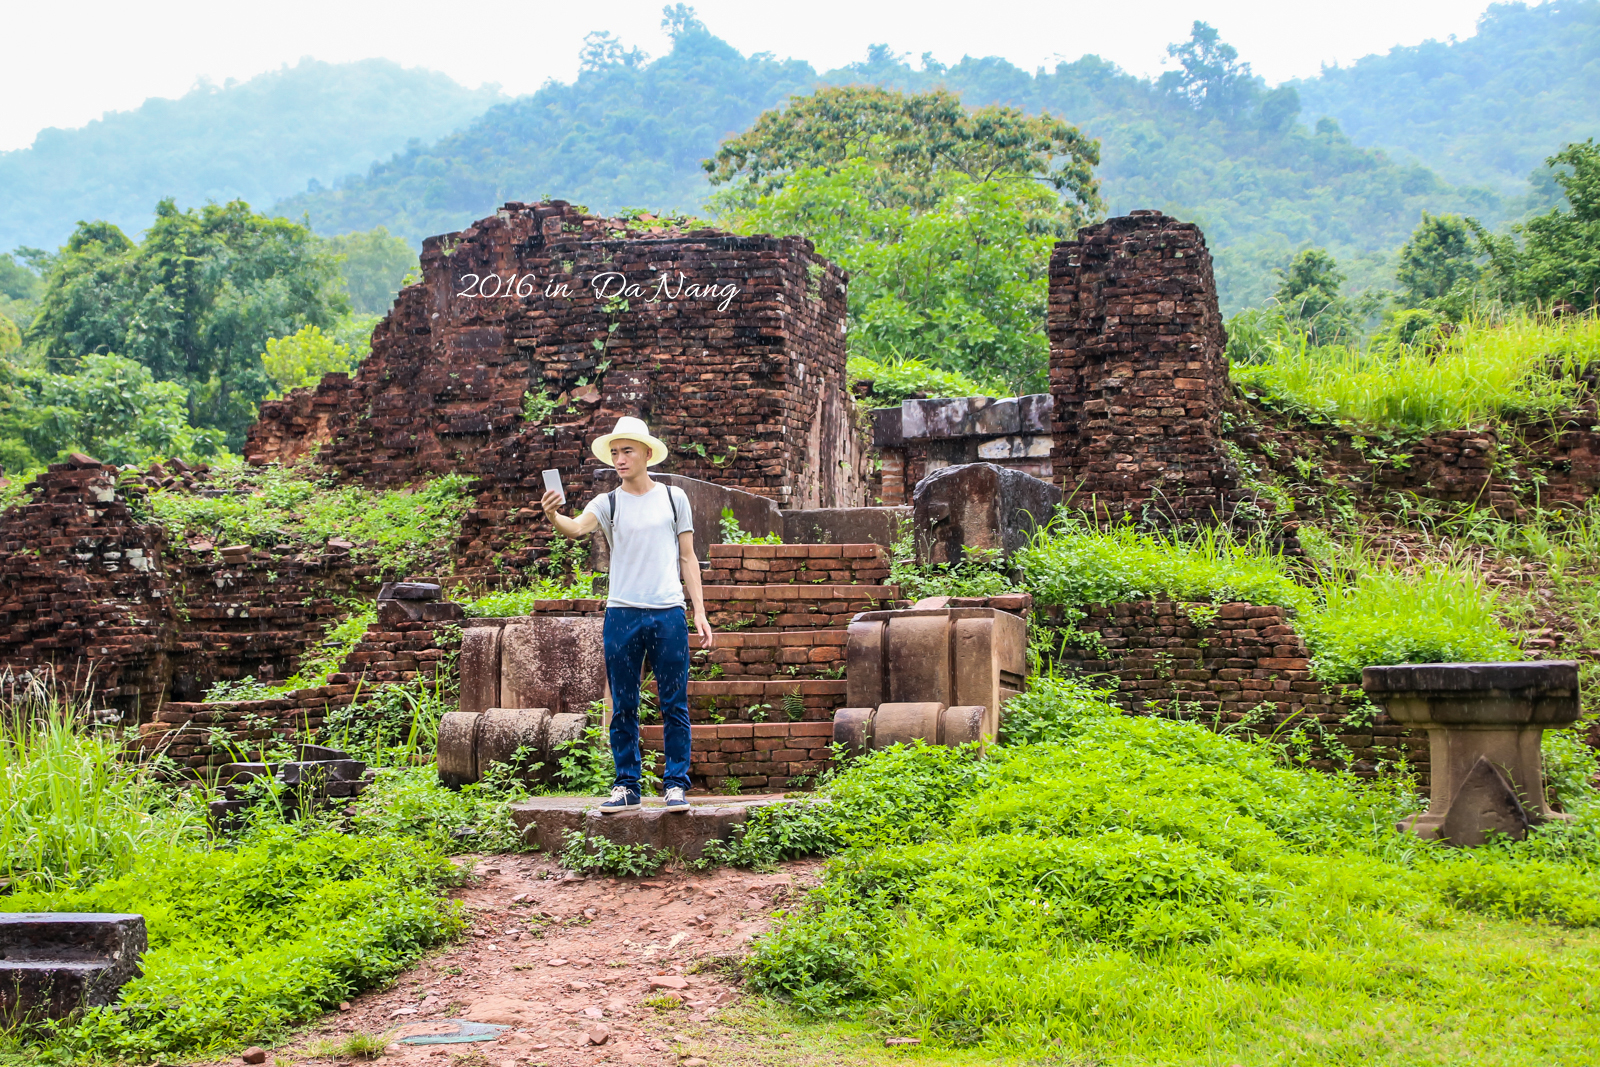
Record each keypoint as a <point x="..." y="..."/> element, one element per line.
<point x="762" y="698"/>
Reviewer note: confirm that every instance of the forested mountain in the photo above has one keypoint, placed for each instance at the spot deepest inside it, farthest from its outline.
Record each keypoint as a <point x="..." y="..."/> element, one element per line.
<point x="1485" y="110"/>
<point x="627" y="132"/>
<point x="1209" y="143"/>
<point x="1260" y="169"/>
<point x="258" y="140"/>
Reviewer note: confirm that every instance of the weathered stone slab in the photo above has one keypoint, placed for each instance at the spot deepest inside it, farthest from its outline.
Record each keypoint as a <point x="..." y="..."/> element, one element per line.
<point x="555" y="663"/>
<point x="1486" y="802"/>
<point x="52" y="964"/>
<point x="480" y="668"/>
<point x="978" y="506"/>
<point x="845" y="526"/>
<point x="410" y="591"/>
<point x="545" y="821"/>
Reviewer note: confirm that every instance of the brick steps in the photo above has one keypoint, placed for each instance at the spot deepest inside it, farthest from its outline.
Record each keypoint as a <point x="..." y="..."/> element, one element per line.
<point x="864" y="564"/>
<point x="764" y="754"/>
<point x="758" y="702"/>
<point x="771" y="606"/>
<point x="774" y="655"/>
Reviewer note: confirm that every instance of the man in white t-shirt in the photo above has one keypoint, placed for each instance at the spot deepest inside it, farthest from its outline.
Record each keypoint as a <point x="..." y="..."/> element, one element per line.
<point x="651" y="533"/>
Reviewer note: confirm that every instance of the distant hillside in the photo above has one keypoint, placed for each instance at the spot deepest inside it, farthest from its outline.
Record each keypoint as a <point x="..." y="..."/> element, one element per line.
<point x="632" y="133"/>
<point x="626" y="133"/>
<point x="1486" y="110"/>
<point x="262" y="140"/>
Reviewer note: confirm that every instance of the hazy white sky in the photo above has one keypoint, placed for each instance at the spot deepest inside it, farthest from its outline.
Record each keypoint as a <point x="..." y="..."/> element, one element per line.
<point x="66" y="64"/>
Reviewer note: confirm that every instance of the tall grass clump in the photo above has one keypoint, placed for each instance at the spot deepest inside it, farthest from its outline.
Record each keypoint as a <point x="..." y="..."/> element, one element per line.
<point x="1434" y="616"/>
<point x="249" y="934"/>
<point x="1139" y="890"/>
<point x="1519" y="366"/>
<point x="1359" y="611"/>
<point x="72" y="810"/>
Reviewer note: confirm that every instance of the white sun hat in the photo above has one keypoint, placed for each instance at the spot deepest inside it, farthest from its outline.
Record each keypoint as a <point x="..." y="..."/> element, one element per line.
<point x="629" y="429"/>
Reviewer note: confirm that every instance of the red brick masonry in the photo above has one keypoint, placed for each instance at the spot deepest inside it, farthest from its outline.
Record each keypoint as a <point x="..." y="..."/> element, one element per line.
<point x="768" y="755"/>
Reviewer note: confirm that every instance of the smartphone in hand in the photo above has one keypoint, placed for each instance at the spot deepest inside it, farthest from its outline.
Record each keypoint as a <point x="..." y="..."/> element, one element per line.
<point x="552" y="484"/>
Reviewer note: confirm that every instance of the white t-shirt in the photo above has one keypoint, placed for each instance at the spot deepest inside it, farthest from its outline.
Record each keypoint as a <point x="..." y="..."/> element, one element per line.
<point x="644" y="546"/>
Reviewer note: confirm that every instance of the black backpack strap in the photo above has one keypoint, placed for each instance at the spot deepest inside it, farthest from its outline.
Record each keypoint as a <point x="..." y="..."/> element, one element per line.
<point x="612" y="496"/>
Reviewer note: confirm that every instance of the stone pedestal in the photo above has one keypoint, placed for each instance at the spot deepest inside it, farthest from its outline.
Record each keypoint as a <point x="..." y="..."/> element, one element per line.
<point x="940" y="674"/>
<point x="1484" y="723"/>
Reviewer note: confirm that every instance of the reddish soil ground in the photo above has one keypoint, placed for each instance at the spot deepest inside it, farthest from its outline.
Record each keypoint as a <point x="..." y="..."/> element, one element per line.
<point x="568" y="962"/>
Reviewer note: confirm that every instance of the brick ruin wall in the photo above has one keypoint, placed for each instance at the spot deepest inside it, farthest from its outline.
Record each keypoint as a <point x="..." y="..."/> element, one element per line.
<point x="1550" y="463"/>
<point x="1240" y="665"/>
<point x="731" y="348"/>
<point x="1135" y="419"/>
<point x="1138" y="371"/>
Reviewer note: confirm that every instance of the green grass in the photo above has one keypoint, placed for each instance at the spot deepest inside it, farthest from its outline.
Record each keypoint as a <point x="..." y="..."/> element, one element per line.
<point x="250" y="934"/>
<point x="71" y="811"/>
<point x="1521" y="366"/>
<point x="1355" y="609"/>
<point x="248" y="938"/>
<point x="508" y="603"/>
<point x="399" y="530"/>
<point x="1142" y="891"/>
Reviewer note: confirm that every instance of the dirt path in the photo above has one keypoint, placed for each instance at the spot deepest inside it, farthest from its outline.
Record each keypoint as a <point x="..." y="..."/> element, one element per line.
<point x="580" y="968"/>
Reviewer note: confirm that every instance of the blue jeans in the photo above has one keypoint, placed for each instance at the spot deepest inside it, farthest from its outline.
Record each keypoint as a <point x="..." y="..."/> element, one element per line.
<point x="662" y="636"/>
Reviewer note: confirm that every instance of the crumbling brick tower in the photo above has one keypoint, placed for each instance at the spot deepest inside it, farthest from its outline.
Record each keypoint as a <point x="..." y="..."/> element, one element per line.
<point x="1138" y="372"/>
<point x="535" y="328"/>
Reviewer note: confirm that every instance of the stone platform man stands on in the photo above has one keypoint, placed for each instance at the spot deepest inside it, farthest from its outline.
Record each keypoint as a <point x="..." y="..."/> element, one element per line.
<point x="651" y="533"/>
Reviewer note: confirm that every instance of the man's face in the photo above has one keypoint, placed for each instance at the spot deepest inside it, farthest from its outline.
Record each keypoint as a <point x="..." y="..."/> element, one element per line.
<point x="628" y="457"/>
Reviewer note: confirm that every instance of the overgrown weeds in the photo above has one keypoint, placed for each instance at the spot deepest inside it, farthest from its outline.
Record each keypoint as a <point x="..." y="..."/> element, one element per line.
<point x="399" y="531"/>
<point x="1142" y="890"/>
<point x="1354" y="609"/>
<point x="1515" y="367"/>
<point x="73" y="811"/>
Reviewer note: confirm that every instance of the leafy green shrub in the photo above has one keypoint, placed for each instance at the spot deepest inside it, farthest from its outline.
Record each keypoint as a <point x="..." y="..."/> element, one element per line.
<point x="586" y="854"/>
<point x="734" y="534"/>
<point x="250" y="939"/>
<point x="1142" y="885"/>
<point x="978" y="573"/>
<point x="1571" y="766"/>
<point x="774" y="833"/>
<point x="1050" y="708"/>
<point x="894" y="380"/>
<point x="1431" y="617"/>
<point x="392" y="721"/>
<point x="399" y="530"/>
<point x="584" y="764"/>
<point x="409" y="801"/>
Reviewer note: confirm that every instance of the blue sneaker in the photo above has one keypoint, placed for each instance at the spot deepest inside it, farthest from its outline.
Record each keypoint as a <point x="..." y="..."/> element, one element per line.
<point x="676" y="801"/>
<point x="622" y="799"/>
